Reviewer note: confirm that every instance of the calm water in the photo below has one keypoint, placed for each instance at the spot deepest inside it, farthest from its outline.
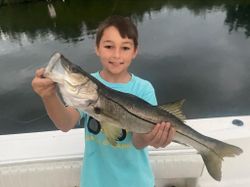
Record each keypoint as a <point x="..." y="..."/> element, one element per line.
<point x="188" y="49"/>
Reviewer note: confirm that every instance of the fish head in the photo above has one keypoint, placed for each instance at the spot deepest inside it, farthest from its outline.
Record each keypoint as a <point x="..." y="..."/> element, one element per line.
<point x="75" y="85"/>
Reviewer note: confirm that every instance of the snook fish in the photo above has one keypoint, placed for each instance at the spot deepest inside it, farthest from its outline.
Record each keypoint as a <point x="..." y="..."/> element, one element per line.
<point x="116" y="110"/>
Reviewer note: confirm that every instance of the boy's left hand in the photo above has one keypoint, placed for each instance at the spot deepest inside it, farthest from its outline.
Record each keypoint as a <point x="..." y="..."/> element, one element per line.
<point x="161" y="135"/>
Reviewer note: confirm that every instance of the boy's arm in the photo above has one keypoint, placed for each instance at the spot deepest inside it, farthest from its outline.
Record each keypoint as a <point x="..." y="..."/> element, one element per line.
<point x="64" y="118"/>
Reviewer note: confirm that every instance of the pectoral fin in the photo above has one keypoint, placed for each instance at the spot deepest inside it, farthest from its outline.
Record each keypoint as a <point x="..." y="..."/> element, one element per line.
<point x="112" y="133"/>
<point x="175" y="109"/>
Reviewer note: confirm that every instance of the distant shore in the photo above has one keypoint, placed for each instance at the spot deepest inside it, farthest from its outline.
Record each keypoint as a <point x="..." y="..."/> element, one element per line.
<point x="6" y="2"/>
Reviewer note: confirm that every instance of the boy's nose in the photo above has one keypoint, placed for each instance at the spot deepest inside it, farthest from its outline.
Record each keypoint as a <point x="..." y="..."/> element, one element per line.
<point x="117" y="53"/>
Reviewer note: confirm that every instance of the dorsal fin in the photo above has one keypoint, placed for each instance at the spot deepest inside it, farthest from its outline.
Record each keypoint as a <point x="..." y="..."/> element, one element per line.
<point x="175" y="109"/>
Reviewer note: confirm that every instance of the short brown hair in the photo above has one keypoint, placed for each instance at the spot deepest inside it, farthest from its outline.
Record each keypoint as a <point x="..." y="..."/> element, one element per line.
<point x="124" y="25"/>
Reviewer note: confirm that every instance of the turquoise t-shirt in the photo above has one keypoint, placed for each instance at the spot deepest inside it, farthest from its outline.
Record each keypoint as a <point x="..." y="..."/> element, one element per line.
<point x="123" y="165"/>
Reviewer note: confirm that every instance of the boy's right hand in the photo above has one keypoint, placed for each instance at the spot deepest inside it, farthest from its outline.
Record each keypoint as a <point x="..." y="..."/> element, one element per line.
<point x="43" y="86"/>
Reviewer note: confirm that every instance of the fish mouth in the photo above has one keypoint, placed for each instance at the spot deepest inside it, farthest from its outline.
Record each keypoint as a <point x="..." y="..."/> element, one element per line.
<point x="58" y="59"/>
<point x="53" y="62"/>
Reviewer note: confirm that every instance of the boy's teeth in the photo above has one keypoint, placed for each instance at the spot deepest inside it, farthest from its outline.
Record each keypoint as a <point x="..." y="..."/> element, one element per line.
<point x="116" y="62"/>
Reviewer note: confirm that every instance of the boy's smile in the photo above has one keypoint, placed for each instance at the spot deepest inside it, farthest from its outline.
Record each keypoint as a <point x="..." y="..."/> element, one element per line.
<point x="116" y="54"/>
<point x="115" y="63"/>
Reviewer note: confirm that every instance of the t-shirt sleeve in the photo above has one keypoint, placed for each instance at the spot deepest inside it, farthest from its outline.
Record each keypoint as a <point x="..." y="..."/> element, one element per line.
<point x="149" y="94"/>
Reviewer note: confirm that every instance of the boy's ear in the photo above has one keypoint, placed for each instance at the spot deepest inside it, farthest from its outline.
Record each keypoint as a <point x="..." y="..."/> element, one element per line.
<point x="135" y="53"/>
<point x="97" y="51"/>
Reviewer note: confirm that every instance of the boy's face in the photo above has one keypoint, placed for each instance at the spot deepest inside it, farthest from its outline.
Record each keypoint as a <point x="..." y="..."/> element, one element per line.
<point x="116" y="53"/>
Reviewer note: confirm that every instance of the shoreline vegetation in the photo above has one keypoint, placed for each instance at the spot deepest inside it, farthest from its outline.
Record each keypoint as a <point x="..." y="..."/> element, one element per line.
<point x="192" y="3"/>
<point x="65" y="16"/>
<point x="7" y="2"/>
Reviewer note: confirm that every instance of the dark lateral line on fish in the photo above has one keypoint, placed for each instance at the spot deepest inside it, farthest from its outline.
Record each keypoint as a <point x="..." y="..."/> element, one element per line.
<point x="128" y="110"/>
<point x="200" y="144"/>
<point x="154" y="124"/>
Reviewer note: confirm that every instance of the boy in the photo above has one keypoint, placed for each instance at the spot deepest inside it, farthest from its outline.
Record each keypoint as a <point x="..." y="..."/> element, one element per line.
<point x="126" y="164"/>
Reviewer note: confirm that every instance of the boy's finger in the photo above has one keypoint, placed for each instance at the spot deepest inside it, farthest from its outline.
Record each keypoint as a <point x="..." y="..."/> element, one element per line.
<point x="171" y="132"/>
<point x="154" y="132"/>
<point x="39" y="72"/>
<point x="48" y="81"/>
<point x="165" y="134"/>
<point x="156" y="141"/>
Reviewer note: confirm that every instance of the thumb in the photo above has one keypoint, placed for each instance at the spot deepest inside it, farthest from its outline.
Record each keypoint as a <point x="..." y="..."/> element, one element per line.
<point x="39" y="72"/>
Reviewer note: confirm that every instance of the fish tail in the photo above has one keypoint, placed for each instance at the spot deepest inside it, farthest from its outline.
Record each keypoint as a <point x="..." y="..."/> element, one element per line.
<point x="213" y="159"/>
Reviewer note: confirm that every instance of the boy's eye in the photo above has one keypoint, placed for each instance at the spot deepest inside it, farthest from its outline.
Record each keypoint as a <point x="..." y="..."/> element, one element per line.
<point x="126" y="48"/>
<point x="108" y="46"/>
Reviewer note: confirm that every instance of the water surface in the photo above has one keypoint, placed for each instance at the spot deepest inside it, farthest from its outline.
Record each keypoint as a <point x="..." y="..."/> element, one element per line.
<point x="188" y="49"/>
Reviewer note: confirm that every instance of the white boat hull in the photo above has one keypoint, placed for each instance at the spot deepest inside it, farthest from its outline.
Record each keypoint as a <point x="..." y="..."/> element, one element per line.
<point x="54" y="158"/>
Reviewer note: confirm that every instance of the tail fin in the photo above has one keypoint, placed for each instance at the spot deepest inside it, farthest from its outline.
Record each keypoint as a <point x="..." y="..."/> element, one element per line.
<point x="214" y="157"/>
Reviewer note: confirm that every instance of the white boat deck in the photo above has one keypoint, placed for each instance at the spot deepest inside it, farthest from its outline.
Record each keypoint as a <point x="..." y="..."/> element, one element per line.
<point x="54" y="158"/>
